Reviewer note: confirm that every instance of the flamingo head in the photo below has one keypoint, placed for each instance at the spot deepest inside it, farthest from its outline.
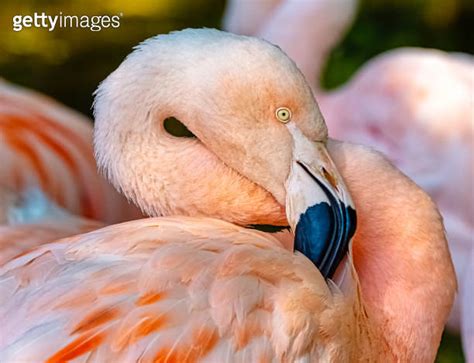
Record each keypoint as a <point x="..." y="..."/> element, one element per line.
<point x="203" y="122"/>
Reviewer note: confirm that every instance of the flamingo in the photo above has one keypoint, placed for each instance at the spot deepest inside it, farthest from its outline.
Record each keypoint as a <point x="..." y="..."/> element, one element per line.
<point x="216" y="136"/>
<point x="49" y="187"/>
<point x="415" y="105"/>
<point x="46" y="146"/>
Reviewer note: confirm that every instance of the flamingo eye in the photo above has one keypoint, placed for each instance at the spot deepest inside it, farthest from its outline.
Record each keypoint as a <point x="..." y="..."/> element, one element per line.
<point x="176" y="128"/>
<point x="283" y="114"/>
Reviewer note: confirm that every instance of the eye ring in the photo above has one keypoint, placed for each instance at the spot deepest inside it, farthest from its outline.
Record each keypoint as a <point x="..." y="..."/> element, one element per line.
<point x="283" y="114"/>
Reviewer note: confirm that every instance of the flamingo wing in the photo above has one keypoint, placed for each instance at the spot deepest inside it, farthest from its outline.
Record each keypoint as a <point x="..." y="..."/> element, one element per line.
<point x="167" y="290"/>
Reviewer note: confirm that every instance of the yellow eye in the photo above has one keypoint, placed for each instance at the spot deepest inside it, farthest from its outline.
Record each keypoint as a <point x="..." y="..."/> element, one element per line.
<point x="283" y="114"/>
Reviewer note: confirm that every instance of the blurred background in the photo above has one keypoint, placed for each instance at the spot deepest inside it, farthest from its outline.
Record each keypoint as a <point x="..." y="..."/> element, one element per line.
<point x="69" y="63"/>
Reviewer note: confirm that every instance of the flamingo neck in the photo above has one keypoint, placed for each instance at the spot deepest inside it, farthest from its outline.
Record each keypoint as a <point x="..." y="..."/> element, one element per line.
<point x="400" y="255"/>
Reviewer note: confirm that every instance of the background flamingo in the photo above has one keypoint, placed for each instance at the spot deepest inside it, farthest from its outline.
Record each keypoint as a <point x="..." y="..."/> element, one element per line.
<point x="48" y="174"/>
<point x="199" y="289"/>
<point x="414" y="105"/>
<point x="44" y="145"/>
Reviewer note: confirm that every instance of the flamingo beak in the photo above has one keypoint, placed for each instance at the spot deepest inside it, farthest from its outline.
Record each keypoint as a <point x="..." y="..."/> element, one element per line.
<point x="318" y="205"/>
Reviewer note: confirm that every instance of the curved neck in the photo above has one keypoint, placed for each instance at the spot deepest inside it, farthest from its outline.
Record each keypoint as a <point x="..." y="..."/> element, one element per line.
<point x="400" y="254"/>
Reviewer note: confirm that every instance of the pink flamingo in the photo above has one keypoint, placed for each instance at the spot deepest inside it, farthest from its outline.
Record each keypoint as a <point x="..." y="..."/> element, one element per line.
<point x="204" y="123"/>
<point x="47" y="148"/>
<point x="44" y="145"/>
<point x="414" y="105"/>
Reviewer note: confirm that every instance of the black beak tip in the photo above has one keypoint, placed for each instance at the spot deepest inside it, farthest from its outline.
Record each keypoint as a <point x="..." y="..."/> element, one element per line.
<point x="323" y="234"/>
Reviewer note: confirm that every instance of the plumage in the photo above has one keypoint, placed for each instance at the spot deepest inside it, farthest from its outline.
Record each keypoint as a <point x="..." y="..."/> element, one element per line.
<point x="413" y="104"/>
<point x="47" y="146"/>
<point x="177" y="288"/>
<point x="183" y="288"/>
<point x="425" y="130"/>
<point x="48" y="174"/>
<point x="31" y="219"/>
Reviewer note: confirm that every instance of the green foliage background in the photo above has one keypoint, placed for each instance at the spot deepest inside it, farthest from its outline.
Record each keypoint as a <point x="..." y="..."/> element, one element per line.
<point x="69" y="63"/>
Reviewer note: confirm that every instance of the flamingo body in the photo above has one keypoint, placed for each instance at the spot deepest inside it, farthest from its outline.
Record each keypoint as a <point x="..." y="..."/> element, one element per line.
<point x="173" y="290"/>
<point x="204" y="290"/>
